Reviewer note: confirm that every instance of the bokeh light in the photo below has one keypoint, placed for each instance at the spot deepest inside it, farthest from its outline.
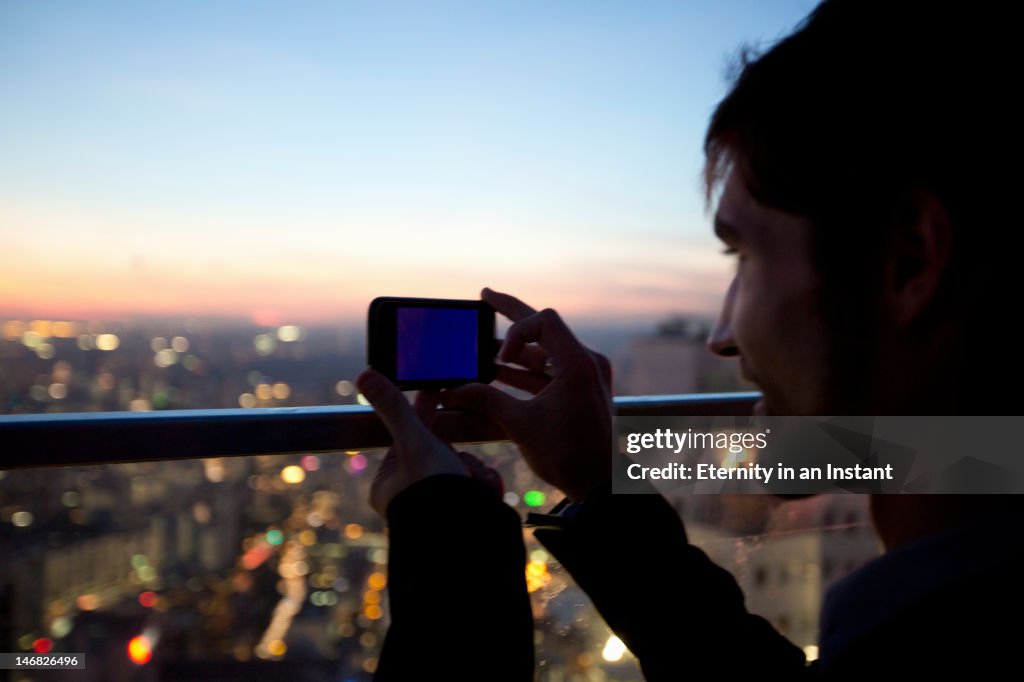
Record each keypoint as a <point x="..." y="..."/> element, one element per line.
<point x="107" y="342"/>
<point x="140" y="650"/>
<point x="534" y="498"/>
<point x="293" y="474"/>
<point x="353" y="531"/>
<point x="264" y="344"/>
<point x="356" y="464"/>
<point x="289" y="333"/>
<point x="613" y="650"/>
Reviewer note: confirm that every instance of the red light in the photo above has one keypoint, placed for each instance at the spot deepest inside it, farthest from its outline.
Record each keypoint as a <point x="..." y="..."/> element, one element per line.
<point x="139" y="650"/>
<point x="43" y="645"/>
<point x="148" y="599"/>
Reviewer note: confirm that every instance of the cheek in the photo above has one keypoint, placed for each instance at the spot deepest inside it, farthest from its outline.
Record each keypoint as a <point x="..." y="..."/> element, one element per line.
<point x="778" y="330"/>
<point x="754" y="327"/>
<point x="747" y="319"/>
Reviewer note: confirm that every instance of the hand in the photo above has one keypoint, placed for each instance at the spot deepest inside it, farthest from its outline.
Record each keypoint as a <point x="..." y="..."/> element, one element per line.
<point x="415" y="453"/>
<point x="565" y="430"/>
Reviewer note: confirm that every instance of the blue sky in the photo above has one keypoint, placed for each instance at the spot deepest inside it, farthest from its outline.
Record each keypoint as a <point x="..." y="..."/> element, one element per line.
<point x="293" y="160"/>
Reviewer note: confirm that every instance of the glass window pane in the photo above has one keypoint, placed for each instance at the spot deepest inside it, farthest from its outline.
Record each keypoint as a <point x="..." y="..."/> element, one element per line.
<point x="250" y="560"/>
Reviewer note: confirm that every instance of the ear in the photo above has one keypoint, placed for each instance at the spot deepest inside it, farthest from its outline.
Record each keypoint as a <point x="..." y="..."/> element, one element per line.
<point x="918" y="259"/>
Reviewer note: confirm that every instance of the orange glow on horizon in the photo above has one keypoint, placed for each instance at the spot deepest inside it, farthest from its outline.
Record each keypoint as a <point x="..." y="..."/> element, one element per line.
<point x="256" y="268"/>
<point x="595" y="281"/>
<point x="303" y="306"/>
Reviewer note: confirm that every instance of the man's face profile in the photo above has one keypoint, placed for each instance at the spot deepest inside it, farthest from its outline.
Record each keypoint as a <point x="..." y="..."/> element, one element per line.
<point x="771" y="317"/>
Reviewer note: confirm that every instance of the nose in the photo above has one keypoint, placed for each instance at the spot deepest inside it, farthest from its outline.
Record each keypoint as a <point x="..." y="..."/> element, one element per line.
<point x="721" y="341"/>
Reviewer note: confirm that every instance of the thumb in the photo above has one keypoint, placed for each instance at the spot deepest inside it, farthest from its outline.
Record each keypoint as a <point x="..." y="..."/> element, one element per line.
<point x="485" y="400"/>
<point x="391" y="406"/>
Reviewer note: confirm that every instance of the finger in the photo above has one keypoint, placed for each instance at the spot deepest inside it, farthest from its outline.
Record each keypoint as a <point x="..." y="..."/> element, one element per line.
<point x="531" y="357"/>
<point x="509" y="306"/>
<point x="389" y="463"/>
<point x="534" y="382"/>
<point x="549" y="331"/>
<point x="425" y="406"/>
<point x="391" y="406"/>
<point x="486" y="400"/>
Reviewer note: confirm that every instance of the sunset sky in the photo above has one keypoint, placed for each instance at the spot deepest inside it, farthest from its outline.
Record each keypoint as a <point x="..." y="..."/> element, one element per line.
<point x="288" y="162"/>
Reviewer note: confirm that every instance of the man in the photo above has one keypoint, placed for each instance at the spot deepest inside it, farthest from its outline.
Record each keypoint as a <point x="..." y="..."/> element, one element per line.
<point x="858" y="163"/>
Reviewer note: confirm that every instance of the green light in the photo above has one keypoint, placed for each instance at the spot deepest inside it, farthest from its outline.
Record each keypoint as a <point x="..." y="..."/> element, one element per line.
<point x="275" y="537"/>
<point x="160" y="401"/>
<point x="139" y="561"/>
<point x="534" y="498"/>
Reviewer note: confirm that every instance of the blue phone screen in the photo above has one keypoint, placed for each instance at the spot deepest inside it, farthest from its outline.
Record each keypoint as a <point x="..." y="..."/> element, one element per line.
<point x="436" y="343"/>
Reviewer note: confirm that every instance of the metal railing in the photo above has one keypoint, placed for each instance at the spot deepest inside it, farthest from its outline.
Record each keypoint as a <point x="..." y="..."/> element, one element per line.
<point x="106" y="437"/>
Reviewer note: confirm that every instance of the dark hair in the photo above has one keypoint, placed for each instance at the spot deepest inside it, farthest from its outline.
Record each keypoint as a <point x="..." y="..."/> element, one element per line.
<point x="866" y="105"/>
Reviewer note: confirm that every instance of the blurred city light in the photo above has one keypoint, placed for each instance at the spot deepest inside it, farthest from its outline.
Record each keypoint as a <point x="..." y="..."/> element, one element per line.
<point x="534" y="498"/>
<point x="613" y="650"/>
<point x="353" y="531"/>
<point x="289" y="333"/>
<point x="281" y="391"/>
<point x="264" y="344"/>
<point x="293" y="474"/>
<point x="107" y="342"/>
<point x="140" y="651"/>
<point x="376" y="581"/>
<point x="60" y="627"/>
<point x="356" y="464"/>
<point x="165" y="358"/>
